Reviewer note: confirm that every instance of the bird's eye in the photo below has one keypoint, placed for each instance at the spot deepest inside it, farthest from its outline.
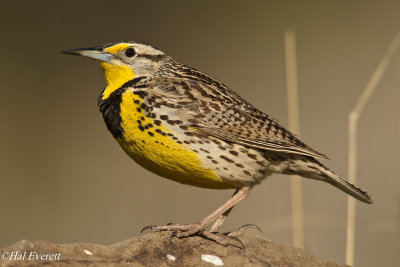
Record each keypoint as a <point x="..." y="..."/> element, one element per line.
<point x="130" y="52"/>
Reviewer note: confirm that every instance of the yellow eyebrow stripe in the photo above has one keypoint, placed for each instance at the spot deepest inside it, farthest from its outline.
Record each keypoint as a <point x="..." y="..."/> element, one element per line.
<point x="116" y="48"/>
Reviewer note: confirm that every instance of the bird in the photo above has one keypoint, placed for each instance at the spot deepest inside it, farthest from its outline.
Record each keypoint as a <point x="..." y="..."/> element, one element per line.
<point x="187" y="126"/>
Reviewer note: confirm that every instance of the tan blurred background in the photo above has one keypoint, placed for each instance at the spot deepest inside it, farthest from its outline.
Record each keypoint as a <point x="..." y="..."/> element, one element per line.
<point x="64" y="179"/>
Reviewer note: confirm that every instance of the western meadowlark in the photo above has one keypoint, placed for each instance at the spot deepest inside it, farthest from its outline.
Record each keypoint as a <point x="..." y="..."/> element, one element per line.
<point x="188" y="127"/>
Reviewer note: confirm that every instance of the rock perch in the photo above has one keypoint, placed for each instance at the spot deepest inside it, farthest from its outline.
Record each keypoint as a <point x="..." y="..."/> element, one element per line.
<point x="160" y="249"/>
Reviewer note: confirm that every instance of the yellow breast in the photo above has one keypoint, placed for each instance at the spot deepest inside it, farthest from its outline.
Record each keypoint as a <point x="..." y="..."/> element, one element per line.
<point x="151" y="147"/>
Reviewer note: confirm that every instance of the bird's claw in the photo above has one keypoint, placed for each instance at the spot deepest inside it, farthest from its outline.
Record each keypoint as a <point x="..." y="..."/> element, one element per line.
<point x="147" y="227"/>
<point x="241" y="245"/>
<point x="240" y="230"/>
<point x="223" y="239"/>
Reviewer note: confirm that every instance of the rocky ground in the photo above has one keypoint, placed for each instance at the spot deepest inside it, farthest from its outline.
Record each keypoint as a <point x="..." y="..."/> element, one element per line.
<point x="159" y="249"/>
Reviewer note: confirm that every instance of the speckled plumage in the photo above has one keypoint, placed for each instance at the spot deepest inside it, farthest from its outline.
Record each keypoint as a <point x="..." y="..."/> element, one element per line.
<point x="240" y="143"/>
<point x="188" y="127"/>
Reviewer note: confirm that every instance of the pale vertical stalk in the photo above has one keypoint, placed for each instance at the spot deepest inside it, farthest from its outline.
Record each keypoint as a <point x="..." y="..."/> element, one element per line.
<point x="293" y="113"/>
<point x="397" y="64"/>
<point x="352" y="152"/>
<point x="351" y="202"/>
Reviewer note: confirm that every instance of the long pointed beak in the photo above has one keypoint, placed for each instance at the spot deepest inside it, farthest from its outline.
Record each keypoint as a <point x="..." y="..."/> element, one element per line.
<point x="93" y="52"/>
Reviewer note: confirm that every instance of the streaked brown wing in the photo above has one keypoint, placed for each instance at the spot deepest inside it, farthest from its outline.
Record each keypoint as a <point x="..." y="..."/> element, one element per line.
<point x="214" y="109"/>
<point x="257" y="131"/>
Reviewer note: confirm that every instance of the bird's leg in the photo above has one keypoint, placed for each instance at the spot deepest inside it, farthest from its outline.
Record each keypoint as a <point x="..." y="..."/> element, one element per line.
<point x="222" y="239"/>
<point x="185" y="230"/>
<point x="235" y="233"/>
<point x="220" y="220"/>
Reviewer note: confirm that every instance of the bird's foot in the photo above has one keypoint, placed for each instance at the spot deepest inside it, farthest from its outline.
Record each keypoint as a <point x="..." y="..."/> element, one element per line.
<point x="186" y="230"/>
<point x="230" y="238"/>
<point x="223" y="239"/>
<point x="240" y="230"/>
<point x="179" y="230"/>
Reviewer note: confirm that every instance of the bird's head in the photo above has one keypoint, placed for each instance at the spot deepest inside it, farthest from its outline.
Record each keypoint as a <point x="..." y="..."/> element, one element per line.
<point x="123" y="61"/>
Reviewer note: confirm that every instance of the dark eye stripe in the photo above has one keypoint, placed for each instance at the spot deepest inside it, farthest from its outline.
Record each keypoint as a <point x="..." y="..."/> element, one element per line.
<point x="152" y="57"/>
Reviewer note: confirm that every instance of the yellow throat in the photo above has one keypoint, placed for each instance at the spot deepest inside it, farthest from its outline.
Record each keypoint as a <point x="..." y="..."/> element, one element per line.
<point x="116" y="76"/>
